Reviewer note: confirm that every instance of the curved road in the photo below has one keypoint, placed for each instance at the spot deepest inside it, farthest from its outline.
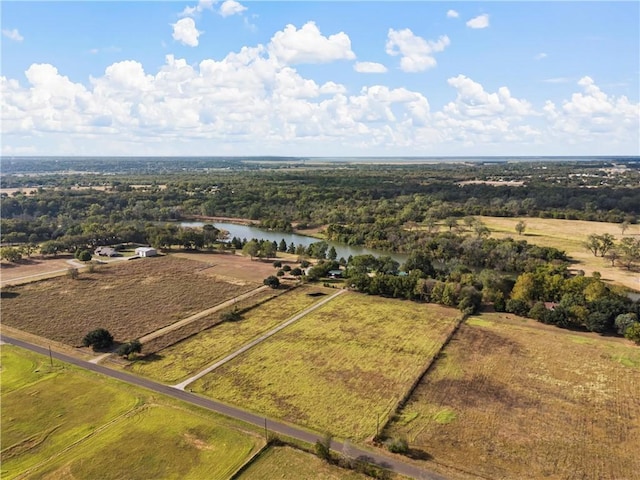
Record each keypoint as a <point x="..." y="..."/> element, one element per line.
<point x="272" y="425"/>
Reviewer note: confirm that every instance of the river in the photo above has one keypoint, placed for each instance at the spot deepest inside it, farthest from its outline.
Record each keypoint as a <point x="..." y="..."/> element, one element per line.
<point x="248" y="232"/>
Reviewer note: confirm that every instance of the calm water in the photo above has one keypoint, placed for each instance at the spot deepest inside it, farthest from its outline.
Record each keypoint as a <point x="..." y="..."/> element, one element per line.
<point x="245" y="231"/>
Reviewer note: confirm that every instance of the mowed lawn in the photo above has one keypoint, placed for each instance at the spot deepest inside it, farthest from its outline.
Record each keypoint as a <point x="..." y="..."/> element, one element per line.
<point x="287" y="463"/>
<point x="511" y="398"/>
<point x="570" y="236"/>
<point x="339" y="368"/>
<point x="129" y="299"/>
<point x="181" y="360"/>
<point x="63" y="422"/>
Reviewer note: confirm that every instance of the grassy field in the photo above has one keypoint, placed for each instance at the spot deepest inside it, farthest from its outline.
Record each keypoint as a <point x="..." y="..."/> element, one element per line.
<point x="63" y="422"/>
<point x="188" y="357"/>
<point x="570" y="235"/>
<point x="287" y="463"/>
<point x="129" y="299"/>
<point x="338" y="368"/>
<point x="511" y="398"/>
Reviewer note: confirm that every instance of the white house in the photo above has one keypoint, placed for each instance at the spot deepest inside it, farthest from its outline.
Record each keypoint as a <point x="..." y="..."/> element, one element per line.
<point x="146" y="252"/>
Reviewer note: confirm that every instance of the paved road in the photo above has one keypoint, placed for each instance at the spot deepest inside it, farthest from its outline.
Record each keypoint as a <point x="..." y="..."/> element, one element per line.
<point x="273" y="426"/>
<point x="255" y="342"/>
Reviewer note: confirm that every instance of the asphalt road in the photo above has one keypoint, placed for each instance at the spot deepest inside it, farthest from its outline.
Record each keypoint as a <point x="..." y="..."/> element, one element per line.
<point x="390" y="463"/>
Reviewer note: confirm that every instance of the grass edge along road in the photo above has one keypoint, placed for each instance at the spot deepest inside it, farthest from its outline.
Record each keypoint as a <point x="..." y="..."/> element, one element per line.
<point x="60" y="421"/>
<point x="376" y="458"/>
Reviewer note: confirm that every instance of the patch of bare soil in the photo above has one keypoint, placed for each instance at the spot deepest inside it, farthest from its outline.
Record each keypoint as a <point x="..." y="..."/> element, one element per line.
<point x="130" y="299"/>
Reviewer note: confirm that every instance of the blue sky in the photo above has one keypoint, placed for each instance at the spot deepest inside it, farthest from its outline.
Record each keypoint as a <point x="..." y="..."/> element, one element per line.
<point x="320" y="78"/>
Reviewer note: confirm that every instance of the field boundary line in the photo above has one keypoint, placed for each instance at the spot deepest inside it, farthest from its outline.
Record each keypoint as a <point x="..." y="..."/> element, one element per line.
<point x="253" y="343"/>
<point x="430" y="364"/>
<point x="181" y="323"/>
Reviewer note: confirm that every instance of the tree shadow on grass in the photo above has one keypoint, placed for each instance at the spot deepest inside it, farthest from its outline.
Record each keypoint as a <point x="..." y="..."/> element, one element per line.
<point x="417" y="454"/>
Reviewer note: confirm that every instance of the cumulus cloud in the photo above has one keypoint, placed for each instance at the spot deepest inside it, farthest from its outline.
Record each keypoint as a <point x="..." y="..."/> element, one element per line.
<point x="13" y="35"/>
<point x="201" y="7"/>
<point x="452" y="14"/>
<point x="369" y="67"/>
<point x="540" y="56"/>
<point x="593" y="117"/>
<point x="481" y="21"/>
<point x="231" y="7"/>
<point x="185" y="31"/>
<point x="308" y="45"/>
<point x="252" y="102"/>
<point x="416" y="52"/>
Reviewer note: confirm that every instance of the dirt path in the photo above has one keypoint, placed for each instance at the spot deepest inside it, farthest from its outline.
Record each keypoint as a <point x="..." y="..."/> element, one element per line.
<point x="203" y="313"/>
<point x="262" y="338"/>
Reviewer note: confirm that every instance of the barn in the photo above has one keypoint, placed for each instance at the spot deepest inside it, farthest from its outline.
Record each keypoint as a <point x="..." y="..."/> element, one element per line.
<point x="146" y="252"/>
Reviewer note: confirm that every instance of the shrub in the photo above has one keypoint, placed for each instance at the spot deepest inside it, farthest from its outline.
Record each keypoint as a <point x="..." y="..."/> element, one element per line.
<point x="397" y="445"/>
<point x="83" y="255"/>
<point x="128" y="348"/>
<point x="272" y="281"/>
<point x="98" y="339"/>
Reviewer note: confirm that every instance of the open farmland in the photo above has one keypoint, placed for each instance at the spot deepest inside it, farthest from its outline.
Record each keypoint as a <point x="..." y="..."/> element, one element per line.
<point x="287" y="463"/>
<point x="338" y="368"/>
<point x="511" y="398"/>
<point x="188" y="357"/>
<point x="34" y="268"/>
<point x="570" y="236"/>
<point x="63" y="422"/>
<point x="129" y="299"/>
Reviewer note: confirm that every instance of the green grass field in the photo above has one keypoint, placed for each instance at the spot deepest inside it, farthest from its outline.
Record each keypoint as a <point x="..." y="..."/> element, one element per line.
<point x="64" y="422"/>
<point x="188" y="357"/>
<point x="338" y="368"/>
<point x="512" y="398"/>
<point x="286" y="463"/>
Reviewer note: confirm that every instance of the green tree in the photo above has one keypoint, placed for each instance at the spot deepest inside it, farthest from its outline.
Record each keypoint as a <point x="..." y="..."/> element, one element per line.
<point x="521" y="227"/>
<point x="272" y="281"/>
<point x="332" y="255"/>
<point x="98" y="339"/>
<point x="624" y="321"/>
<point x="10" y="254"/>
<point x="83" y="255"/>
<point x="251" y="248"/>
<point x="129" y="348"/>
<point x="633" y="333"/>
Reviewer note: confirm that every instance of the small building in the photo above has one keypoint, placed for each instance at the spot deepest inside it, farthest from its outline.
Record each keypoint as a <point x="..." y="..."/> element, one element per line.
<point x="106" y="252"/>
<point x="335" y="273"/>
<point x="146" y="252"/>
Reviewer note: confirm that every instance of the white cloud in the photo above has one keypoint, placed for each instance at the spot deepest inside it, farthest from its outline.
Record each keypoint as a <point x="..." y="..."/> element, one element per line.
<point x="308" y="45"/>
<point x="201" y="7"/>
<point x="369" y="67"/>
<point x="251" y="102"/>
<point x="231" y="7"/>
<point x="185" y="31"/>
<point x="557" y="80"/>
<point x="13" y="35"/>
<point x="540" y="56"/>
<point x="416" y="52"/>
<point x="481" y="21"/>
<point x="452" y="14"/>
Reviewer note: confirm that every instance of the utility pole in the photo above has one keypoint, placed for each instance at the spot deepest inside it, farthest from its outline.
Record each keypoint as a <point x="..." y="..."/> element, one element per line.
<point x="50" y="356"/>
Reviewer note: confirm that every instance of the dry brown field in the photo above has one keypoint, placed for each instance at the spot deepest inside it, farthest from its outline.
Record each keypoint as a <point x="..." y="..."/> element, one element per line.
<point x="570" y="235"/>
<point x="32" y="268"/>
<point x="233" y="267"/>
<point x="511" y="398"/>
<point x="130" y="299"/>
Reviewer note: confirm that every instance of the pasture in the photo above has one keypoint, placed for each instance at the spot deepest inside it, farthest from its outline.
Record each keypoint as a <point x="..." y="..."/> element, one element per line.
<point x="341" y="369"/>
<point x="130" y="299"/>
<point x="511" y="398"/>
<point x="67" y="423"/>
<point x="287" y="463"/>
<point x="570" y="236"/>
<point x="186" y="358"/>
